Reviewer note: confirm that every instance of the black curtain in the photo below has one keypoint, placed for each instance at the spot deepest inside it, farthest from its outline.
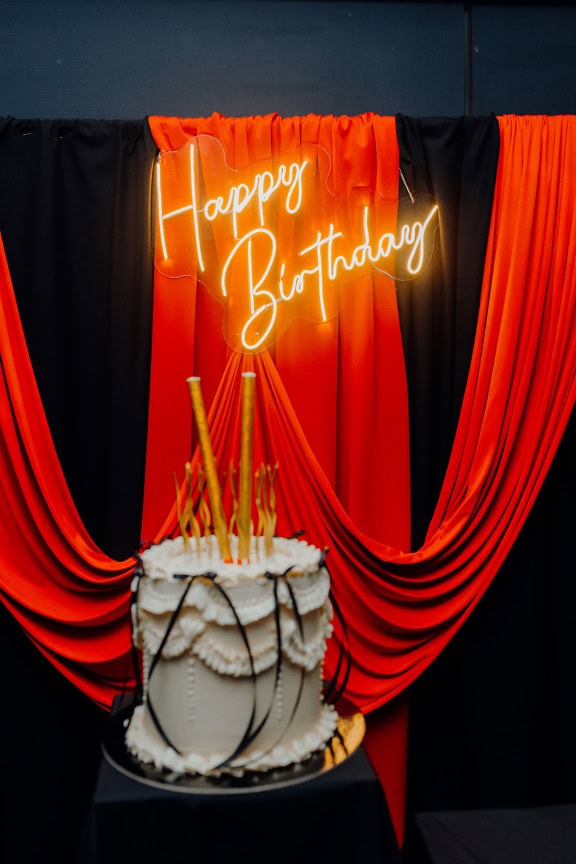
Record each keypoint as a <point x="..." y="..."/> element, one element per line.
<point x="75" y="220"/>
<point x="492" y="721"/>
<point x="454" y="161"/>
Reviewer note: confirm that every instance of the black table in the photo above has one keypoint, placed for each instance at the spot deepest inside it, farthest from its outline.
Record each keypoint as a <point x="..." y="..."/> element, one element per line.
<point x="338" y="814"/>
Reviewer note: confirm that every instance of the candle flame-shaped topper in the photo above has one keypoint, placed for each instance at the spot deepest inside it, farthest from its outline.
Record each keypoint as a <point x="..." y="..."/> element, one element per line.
<point x="185" y="513"/>
<point x="258" y="497"/>
<point x="232" y="486"/>
<point x="265" y="496"/>
<point x="181" y="516"/>
<point x="210" y="468"/>
<point x="245" y="479"/>
<point x="203" y="508"/>
<point x="270" y="509"/>
<point x="189" y="515"/>
<point x="272" y="472"/>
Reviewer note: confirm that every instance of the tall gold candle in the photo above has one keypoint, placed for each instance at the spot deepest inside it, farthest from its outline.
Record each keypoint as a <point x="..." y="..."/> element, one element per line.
<point x="209" y="468"/>
<point x="245" y="470"/>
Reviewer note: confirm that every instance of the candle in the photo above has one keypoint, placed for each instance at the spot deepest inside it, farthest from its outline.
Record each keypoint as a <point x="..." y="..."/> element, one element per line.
<point x="245" y="470"/>
<point x="232" y="484"/>
<point x="209" y="468"/>
<point x="191" y="520"/>
<point x="182" y="522"/>
<point x="271" y="521"/>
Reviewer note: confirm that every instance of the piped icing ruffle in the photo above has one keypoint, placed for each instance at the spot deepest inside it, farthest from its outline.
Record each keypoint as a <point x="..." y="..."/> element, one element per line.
<point x="222" y="649"/>
<point x="149" y="748"/>
<point x="208" y="627"/>
<point x="163" y="560"/>
<point x="252" y="601"/>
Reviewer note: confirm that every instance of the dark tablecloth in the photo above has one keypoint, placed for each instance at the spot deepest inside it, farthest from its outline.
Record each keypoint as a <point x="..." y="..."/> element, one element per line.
<point x="339" y="815"/>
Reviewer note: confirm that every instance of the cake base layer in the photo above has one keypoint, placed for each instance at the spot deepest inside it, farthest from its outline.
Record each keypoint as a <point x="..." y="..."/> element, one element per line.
<point x="231" y="660"/>
<point x="147" y="746"/>
<point x="347" y="738"/>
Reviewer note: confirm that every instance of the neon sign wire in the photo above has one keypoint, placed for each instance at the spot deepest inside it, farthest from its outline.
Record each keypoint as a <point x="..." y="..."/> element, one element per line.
<point x="325" y="262"/>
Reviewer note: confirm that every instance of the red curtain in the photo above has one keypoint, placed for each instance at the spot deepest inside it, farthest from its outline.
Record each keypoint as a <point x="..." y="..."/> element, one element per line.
<point x="69" y="597"/>
<point x="401" y="606"/>
<point x="343" y="376"/>
<point x="332" y="396"/>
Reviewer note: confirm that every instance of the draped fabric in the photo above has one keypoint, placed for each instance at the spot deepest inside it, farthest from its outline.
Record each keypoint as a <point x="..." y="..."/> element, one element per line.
<point x="69" y="596"/>
<point x="339" y="378"/>
<point x="401" y="606"/>
<point x="343" y="376"/>
<point x="75" y="199"/>
<point x="74" y="218"/>
<point x="455" y="163"/>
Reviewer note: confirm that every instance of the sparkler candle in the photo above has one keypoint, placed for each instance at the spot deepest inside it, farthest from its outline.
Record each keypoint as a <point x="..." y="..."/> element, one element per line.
<point x="245" y="480"/>
<point x="210" y="468"/>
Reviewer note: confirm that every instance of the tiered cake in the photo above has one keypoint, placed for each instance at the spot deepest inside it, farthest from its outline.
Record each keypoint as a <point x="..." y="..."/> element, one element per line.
<point x="232" y="646"/>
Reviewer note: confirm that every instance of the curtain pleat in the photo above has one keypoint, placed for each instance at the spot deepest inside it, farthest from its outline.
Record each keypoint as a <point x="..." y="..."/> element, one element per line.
<point x="343" y="376"/>
<point x="454" y="162"/>
<point x="68" y="595"/>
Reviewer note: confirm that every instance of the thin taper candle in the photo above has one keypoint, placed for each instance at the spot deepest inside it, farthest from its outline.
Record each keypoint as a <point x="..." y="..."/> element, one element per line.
<point x="209" y="468"/>
<point x="245" y="470"/>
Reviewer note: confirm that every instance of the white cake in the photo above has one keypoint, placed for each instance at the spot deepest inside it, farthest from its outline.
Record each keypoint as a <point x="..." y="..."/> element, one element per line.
<point x="210" y="703"/>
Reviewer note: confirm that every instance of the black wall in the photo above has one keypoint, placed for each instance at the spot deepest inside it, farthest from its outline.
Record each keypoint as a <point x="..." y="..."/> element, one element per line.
<point x="118" y="59"/>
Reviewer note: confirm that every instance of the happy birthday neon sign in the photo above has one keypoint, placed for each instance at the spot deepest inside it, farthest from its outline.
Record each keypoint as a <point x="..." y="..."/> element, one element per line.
<point x="276" y="244"/>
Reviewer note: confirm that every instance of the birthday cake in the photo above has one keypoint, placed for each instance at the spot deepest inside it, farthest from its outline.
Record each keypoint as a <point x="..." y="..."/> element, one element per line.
<point x="232" y="629"/>
<point x="232" y="658"/>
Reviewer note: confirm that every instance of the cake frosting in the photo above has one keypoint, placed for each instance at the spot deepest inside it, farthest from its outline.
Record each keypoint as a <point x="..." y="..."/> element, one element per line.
<point x="232" y="656"/>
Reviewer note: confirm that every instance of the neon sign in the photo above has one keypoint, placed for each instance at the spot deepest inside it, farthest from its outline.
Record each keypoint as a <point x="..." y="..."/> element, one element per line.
<point x="276" y="244"/>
